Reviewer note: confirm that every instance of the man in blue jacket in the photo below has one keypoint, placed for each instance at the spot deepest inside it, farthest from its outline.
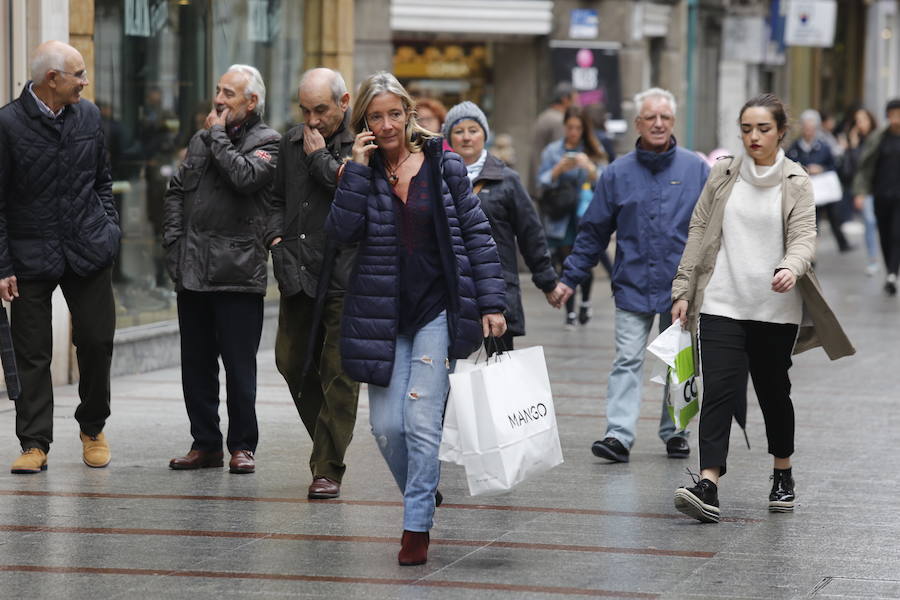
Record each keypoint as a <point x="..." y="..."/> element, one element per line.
<point x="646" y="197"/>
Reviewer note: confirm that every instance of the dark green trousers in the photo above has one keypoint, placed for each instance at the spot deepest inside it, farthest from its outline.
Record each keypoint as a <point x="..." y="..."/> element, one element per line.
<point x="329" y="397"/>
<point x="90" y="301"/>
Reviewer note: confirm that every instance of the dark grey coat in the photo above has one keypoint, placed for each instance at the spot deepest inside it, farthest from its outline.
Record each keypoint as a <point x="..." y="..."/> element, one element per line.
<point x="302" y="195"/>
<point x="56" y="203"/>
<point x="216" y="209"/>
<point x="514" y="223"/>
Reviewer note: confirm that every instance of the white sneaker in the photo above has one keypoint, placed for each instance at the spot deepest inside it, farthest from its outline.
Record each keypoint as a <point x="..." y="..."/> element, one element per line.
<point x="871" y="269"/>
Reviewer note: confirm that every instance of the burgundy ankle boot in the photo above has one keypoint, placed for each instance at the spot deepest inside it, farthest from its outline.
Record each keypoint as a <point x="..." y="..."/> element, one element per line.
<point x="413" y="548"/>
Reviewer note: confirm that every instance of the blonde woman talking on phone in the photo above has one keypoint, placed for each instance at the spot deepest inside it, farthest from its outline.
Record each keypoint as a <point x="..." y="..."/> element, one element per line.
<point x="426" y="288"/>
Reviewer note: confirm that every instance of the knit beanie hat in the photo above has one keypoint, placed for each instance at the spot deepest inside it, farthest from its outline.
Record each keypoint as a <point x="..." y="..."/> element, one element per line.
<point x="462" y="111"/>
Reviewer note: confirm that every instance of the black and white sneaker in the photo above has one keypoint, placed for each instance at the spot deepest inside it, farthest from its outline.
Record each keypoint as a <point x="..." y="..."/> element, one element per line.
<point x="570" y="321"/>
<point x="585" y="313"/>
<point x="701" y="501"/>
<point x="782" y="497"/>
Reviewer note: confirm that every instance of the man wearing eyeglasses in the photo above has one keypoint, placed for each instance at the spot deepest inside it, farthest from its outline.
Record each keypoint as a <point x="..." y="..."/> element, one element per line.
<point x="646" y="197"/>
<point x="58" y="228"/>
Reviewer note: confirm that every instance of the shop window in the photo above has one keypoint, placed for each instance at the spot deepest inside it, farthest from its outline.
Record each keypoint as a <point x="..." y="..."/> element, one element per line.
<point x="156" y="66"/>
<point x="449" y="72"/>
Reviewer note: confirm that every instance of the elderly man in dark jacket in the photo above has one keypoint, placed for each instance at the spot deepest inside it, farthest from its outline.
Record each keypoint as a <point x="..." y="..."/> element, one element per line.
<point x="303" y="257"/>
<point x="58" y="227"/>
<point x="216" y="210"/>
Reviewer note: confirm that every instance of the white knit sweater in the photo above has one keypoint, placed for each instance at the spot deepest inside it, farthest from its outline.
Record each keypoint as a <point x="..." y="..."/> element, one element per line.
<point x="752" y="246"/>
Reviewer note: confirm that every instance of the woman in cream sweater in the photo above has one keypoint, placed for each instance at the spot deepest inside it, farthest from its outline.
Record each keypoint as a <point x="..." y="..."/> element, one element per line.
<point x="746" y="282"/>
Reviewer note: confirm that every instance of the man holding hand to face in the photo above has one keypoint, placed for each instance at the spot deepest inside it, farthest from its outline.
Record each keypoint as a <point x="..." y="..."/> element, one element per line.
<point x="308" y="267"/>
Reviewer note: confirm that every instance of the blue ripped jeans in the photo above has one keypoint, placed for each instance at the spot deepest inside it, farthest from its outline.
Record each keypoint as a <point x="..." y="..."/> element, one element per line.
<point x="407" y="418"/>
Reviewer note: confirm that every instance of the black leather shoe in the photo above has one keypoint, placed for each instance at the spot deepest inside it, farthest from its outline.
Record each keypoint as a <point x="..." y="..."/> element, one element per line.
<point x="611" y="449"/>
<point x="677" y="447"/>
<point x="782" y="497"/>
<point x="701" y="501"/>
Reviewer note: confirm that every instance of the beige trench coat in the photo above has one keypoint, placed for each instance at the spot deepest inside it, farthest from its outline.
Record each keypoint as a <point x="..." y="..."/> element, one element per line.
<point x="820" y="327"/>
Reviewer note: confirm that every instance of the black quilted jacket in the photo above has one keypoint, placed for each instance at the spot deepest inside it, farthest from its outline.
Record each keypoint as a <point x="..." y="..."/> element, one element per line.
<point x="56" y="203"/>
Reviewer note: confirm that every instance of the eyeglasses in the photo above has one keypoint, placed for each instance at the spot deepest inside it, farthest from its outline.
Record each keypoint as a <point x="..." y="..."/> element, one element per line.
<point x="81" y="75"/>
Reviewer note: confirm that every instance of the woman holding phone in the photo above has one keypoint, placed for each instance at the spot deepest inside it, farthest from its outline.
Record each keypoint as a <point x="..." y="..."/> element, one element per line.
<point x="426" y="289"/>
<point x="572" y="165"/>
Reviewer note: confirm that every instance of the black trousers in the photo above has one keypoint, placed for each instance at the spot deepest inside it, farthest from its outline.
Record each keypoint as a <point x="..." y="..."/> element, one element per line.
<point x="214" y="324"/>
<point x="833" y="212"/>
<point x="731" y="349"/>
<point x="887" y="215"/>
<point x="93" y="310"/>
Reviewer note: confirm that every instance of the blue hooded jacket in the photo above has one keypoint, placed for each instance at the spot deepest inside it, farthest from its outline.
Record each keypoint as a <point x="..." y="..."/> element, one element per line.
<point x="646" y="198"/>
<point x="363" y="212"/>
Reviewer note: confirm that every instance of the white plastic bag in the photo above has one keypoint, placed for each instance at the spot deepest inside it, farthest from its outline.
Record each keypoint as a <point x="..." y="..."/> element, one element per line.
<point x="674" y="347"/>
<point x="505" y="420"/>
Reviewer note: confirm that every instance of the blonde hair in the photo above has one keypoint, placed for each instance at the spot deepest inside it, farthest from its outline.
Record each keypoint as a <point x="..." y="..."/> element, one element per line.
<point x="383" y="82"/>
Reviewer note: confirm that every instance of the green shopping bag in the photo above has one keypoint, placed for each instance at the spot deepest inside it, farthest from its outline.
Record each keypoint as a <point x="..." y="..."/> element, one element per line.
<point x="674" y="346"/>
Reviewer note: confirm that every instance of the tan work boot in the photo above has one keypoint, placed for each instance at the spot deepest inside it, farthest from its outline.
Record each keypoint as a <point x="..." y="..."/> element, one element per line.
<point x="95" y="450"/>
<point x="33" y="460"/>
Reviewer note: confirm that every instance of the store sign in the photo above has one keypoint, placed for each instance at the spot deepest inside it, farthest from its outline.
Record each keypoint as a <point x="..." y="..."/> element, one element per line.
<point x="592" y="71"/>
<point x="810" y="23"/>
<point x="584" y="24"/>
<point x="258" y="21"/>
<point x="137" y="18"/>
<point x="744" y="39"/>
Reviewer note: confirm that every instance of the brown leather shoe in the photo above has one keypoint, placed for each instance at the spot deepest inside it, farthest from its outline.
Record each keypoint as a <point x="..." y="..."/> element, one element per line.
<point x="197" y="459"/>
<point x="242" y="462"/>
<point x="323" y="488"/>
<point x="413" y="548"/>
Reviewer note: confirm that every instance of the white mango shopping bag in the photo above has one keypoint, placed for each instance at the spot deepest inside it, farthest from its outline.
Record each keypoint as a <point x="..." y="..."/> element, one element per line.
<point x="506" y="420"/>
<point x="674" y="347"/>
<point x="451" y="449"/>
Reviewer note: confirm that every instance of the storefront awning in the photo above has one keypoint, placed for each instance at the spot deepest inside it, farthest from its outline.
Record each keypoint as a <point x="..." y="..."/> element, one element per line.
<point x="521" y="17"/>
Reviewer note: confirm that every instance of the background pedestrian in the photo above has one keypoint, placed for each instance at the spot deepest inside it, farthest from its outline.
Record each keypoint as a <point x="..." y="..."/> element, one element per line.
<point x="571" y="166"/>
<point x="60" y="229"/>
<point x="216" y="210"/>
<point x="514" y="221"/>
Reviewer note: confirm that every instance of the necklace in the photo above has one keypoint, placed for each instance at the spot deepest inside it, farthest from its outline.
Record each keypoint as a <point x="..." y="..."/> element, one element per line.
<point x="392" y="172"/>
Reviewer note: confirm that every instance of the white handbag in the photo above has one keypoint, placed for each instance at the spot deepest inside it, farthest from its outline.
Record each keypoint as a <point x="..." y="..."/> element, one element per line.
<point x="504" y="419"/>
<point x="826" y="188"/>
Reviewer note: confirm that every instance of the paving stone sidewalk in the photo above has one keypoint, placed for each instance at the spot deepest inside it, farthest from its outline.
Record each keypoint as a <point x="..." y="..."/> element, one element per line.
<point x="585" y="529"/>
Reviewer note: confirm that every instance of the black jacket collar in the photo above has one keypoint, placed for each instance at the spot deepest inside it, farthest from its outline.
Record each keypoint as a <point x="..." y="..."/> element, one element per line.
<point x="492" y="169"/>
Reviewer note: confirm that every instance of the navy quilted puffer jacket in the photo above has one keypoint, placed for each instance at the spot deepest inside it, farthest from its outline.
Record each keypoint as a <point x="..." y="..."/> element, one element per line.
<point x="363" y="212"/>
<point x="56" y="202"/>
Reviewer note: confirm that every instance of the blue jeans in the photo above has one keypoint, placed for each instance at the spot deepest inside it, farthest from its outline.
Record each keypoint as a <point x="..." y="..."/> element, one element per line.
<point x="407" y="418"/>
<point x="623" y="397"/>
<point x="871" y="228"/>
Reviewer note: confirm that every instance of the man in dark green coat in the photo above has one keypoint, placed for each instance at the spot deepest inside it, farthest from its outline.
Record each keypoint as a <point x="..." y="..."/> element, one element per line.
<point x="305" y="181"/>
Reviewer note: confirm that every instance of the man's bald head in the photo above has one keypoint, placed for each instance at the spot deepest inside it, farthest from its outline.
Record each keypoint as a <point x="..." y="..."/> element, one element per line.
<point x="53" y="56"/>
<point x="321" y="77"/>
<point x="323" y="100"/>
<point x="58" y="74"/>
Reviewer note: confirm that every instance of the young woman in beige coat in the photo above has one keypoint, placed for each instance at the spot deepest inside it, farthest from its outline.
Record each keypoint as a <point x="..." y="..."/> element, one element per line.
<point x="746" y="282"/>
